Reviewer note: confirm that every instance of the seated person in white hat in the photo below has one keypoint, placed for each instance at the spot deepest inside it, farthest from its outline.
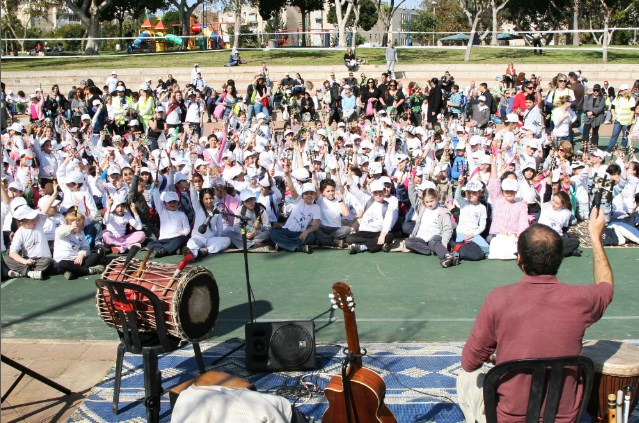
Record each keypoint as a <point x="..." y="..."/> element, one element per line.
<point x="116" y="220"/>
<point x="472" y="213"/>
<point x="376" y="222"/>
<point x="257" y="227"/>
<point x="302" y="223"/>
<point x="72" y="253"/>
<point x="270" y="197"/>
<point x="29" y="253"/>
<point x="174" y="225"/>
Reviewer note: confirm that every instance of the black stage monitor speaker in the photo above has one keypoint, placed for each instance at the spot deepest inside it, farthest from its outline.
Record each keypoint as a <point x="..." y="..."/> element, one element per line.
<point x="280" y="346"/>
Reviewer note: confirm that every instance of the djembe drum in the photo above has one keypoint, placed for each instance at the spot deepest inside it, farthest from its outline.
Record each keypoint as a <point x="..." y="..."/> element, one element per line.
<point x="191" y="301"/>
<point x="616" y="366"/>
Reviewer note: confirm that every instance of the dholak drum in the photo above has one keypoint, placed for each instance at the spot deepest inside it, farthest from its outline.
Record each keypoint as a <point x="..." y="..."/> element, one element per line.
<point x="191" y="304"/>
<point x="616" y="366"/>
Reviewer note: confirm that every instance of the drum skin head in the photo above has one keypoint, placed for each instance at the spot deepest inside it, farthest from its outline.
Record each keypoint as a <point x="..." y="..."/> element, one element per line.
<point x="197" y="302"/>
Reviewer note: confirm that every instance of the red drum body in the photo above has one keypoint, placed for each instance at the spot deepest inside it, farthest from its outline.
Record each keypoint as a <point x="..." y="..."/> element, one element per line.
<point x="616" y="366"/>
<point x="191" y="304"/>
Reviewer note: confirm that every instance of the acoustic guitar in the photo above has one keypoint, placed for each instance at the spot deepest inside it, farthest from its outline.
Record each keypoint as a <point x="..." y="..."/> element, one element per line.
<point x="365" y="389"/>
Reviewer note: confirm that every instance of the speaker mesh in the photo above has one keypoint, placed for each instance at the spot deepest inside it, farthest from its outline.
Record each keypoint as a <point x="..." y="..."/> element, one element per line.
<point x="291" y="345"/>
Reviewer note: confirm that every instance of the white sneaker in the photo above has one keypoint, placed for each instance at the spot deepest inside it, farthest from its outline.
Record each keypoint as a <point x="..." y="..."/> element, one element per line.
<point x="94" y="270"/>
<point x="13" y="274"/>
<point x="35" y="274"/>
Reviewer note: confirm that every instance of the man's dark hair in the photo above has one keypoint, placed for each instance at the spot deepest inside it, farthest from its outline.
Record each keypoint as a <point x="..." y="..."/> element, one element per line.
<point x="541" y="250"/>
<point x="483" y="84"/>
<point x="327" y="183"/>
<point x="613" y="169"/>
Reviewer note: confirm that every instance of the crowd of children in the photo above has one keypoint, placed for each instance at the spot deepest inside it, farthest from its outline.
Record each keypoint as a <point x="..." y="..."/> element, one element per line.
<point x="405" y="168"/>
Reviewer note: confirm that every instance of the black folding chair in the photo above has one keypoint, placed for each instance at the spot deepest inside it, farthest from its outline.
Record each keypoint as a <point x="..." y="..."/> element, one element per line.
<point x="124" y="313"/>
<point x="546" y="385"/>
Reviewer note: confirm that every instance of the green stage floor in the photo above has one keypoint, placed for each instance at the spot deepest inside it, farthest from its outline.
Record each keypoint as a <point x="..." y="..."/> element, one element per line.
<point x="400" y="297"/>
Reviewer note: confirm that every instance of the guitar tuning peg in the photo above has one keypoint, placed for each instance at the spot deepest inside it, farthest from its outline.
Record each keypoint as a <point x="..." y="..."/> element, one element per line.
<point x="349" y="298"/>
<point x="351" y="304"/>
<point x="331" y="295"/>
<point x="333" y="301"/>
<point x="335" y="307"/>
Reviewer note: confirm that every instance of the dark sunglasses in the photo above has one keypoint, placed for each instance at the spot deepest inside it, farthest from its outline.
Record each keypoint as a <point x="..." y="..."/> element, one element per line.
<point x="562" y="80"/>
<point x="529" y="88"/>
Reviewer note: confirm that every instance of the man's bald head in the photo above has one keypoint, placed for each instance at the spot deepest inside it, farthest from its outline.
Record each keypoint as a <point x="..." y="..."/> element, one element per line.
<point x="540" y="250"/>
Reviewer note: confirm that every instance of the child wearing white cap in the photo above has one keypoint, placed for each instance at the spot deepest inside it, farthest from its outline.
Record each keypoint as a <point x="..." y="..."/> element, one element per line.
<point x="72" y="252"/>
<point x="29" y="253"/>
<point x="302" y="223"/>
<point x="258" y="225"/>
<point x="375" y="223"/>
<point x="116" y="219"/>
<point x="472" y="214"/>
<point x="174" y="225"/>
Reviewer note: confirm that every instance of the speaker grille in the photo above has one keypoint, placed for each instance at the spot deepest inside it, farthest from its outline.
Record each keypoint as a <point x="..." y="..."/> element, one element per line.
<point x="291" y="345"/>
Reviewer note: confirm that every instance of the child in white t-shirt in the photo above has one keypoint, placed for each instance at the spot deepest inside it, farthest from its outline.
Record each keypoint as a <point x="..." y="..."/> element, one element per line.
<point x="29" y="253"/>
<point x="72" y="253"/>
<point x="472" y="215"/>
<point x="302" y="223"/>
<point x="332" y="209"/>
<point x="174" y="225"/>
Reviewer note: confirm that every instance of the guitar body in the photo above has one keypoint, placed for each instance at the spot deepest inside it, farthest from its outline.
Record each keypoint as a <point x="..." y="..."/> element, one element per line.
<point x="367" y="393"/>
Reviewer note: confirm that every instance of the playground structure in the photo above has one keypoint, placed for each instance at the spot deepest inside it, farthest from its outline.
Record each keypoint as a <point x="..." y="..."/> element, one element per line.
<point x="211" y="35"/>
<point x="155" y="37"/>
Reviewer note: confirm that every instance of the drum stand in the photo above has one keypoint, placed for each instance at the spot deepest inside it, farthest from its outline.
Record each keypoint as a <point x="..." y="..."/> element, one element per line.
<point x="249" y="290"/>
<point x="24" y="370"/>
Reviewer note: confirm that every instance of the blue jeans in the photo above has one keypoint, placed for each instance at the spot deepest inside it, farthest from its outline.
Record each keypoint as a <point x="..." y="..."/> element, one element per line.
<point x="250" y="112"/>
<point x="170" y="245"/>
<point x="616" y="130"/>
<point x="477" y="239"/>
<point x="290" y="240"/>
<point x="259" y="107"/>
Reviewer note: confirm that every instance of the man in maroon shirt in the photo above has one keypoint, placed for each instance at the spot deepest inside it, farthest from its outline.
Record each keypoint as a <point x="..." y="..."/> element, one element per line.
<point x="538" y="317"/>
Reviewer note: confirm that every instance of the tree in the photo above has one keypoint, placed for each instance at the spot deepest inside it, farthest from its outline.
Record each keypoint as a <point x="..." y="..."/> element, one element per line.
<point x="539" y="15"/>
<point x="89" y="12"/>
<point x="184" y="12"/>
<point x="342" y="17"/>
<point x="611" y="10"/>
<point x="423" y="22"/>
<point x="364" y="16"/>
<point x="118" y="10"/>
<point x="385" y="13"/>
<point x="274" y="25"/>
<point x="306" y="6"/>
<point x="474" y="15"/>
<point x="496" y="6"/>
<point x="12" y="27"/>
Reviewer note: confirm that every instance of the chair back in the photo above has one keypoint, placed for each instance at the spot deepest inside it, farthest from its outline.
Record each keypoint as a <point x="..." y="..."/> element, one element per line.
<point x="127" y="302"/>
<point x="547" y="384"/>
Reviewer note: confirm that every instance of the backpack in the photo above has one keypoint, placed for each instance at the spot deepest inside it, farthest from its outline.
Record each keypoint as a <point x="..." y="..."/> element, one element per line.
<point x="469" y="251"/>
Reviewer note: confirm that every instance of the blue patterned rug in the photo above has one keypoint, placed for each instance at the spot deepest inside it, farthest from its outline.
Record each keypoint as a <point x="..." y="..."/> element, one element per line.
<point x="419" y="377"/>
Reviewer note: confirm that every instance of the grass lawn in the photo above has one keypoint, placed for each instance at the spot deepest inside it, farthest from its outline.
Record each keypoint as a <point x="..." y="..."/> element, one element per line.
<point x="374" y="56"/>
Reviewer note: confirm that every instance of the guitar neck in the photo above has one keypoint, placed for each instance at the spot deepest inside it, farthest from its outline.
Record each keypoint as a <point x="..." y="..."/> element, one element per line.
<point x="352" y="339"/>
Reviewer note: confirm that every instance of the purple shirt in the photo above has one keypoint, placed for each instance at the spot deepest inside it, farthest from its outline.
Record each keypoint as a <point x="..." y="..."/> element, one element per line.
<point x="538" y="317"/>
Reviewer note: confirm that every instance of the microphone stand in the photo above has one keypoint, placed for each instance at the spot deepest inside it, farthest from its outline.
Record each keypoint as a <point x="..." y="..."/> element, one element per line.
<point x="249" y="290"/>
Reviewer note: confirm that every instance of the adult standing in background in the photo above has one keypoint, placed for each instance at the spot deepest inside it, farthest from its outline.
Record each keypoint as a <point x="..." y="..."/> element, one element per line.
<point x="391" y="59"/>
<point x="434" y="101"/>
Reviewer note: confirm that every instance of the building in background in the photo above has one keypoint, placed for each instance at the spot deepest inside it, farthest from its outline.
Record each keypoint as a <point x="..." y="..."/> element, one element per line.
<point x="53" y="17"/>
